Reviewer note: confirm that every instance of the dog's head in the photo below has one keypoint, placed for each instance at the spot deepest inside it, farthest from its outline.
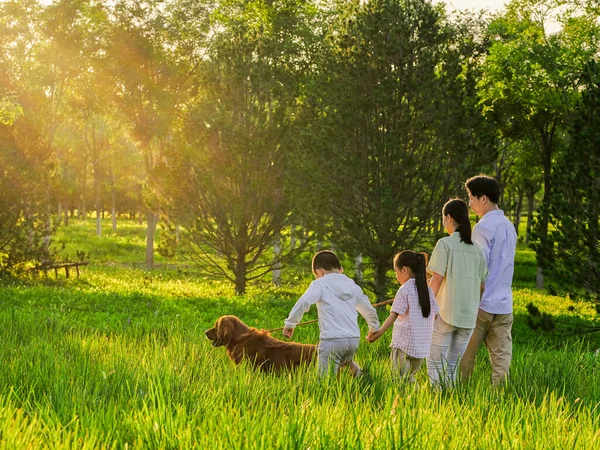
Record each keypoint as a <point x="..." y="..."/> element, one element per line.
<point x="226" y="331"/>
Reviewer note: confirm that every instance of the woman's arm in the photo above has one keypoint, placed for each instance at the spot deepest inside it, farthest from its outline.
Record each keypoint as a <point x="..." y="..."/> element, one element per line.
<point x="435" y="283"/>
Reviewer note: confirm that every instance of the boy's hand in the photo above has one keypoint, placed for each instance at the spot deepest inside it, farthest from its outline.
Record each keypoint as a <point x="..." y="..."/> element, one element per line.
<point x="288" y="332"/>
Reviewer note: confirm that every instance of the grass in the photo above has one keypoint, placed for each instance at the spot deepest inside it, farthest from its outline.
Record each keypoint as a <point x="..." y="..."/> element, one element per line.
<point x="117" y="359"/>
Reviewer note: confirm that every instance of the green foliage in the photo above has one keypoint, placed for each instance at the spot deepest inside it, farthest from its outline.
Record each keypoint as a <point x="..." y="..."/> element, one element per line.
<point x="389" y="127"/>
<point x="575" y="212"/>
<point x="118" y="358"/>
<point x="223" y="180"/>
<point x="531" y="83"/>
<point x="9" y="111"/>
<point x="23" y="220"/>
<point x="538" y="320"/>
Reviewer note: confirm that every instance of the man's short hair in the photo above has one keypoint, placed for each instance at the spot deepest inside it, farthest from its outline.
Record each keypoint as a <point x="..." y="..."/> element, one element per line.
<point x="484" y="185"/>
<point x="327" y="260"/>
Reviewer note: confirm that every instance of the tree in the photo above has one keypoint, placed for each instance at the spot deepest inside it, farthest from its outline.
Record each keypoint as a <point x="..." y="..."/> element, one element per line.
<point x="27" y="121"/>
<point x="391" y="127"/>
<point x="224" y="181"/>
<point x="146" y="78"/>
<point x="575" y="211"/>
<point x="530" y="84"/>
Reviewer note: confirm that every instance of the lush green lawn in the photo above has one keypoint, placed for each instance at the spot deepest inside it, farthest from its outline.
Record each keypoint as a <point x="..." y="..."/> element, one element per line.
<point x="118" y="359"/>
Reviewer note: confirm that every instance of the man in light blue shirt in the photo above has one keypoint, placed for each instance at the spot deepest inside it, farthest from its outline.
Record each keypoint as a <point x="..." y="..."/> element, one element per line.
<point x="497" y="237"/>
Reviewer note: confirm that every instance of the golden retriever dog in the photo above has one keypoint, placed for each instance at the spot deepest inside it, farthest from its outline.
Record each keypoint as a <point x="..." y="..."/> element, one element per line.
<point x="258" y="346"/>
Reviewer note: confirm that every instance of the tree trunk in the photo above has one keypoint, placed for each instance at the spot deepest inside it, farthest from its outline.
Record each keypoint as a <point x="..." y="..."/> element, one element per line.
<point x="150" y="239"/>
<point x="48" y="227"/>
<point x="293" y="237"/>
<point x="82" y="197"/>
<point x="276" y="260"/>
<point x="59" y="210"/>
<point x="240" y="275"/>
<point x="530" y="209"/>
<point x="500" y="181"/>
<point x="98" y="201"/>
<point x="381" y="280"/>
<point x="98" y="225"/>
<point x="358" y="272"/>
<point x="518" y="212"/>
<point x="113" y="210"/>
<point x="547" y="199"/>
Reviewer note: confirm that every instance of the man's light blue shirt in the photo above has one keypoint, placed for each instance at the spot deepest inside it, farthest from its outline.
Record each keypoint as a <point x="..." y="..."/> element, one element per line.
<point x="497" y="237"/>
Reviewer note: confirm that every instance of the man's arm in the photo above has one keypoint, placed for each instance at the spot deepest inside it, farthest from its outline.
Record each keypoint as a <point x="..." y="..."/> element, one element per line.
<point x="480" y="237"/>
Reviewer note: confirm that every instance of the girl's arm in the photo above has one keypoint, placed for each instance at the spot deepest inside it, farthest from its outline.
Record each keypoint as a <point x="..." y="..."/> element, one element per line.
<point x="372" y="337"/>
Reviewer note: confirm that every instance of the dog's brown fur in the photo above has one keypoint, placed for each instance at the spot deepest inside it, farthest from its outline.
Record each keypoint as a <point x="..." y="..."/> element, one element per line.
<point x="258" y="346"/>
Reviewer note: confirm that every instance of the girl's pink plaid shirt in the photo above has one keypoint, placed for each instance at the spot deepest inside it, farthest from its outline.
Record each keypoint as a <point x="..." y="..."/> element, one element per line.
<point x="412" y="332"/>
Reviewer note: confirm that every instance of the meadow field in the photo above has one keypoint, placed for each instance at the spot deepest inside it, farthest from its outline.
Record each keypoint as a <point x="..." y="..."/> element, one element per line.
<point x="118" y="359"/>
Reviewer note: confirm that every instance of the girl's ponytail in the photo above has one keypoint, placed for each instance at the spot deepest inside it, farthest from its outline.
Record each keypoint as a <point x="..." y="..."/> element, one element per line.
<point x="417" y="263"/>
<point x="422" y="287"/>
<point x="459" y="211"/>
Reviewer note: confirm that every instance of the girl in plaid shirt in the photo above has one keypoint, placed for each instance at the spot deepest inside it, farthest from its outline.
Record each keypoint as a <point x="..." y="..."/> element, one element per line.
<point x="413" y="313"/>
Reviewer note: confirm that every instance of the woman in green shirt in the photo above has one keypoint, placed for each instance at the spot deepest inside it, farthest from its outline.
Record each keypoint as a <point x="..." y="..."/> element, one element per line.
<point x="458" y="270"/>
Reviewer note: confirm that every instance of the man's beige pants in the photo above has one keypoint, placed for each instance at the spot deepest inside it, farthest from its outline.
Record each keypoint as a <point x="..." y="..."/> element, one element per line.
<point x="495" y="331"/>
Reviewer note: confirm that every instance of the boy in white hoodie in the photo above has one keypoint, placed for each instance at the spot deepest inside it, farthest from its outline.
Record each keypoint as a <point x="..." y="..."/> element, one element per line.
<point x="338" y="298"/>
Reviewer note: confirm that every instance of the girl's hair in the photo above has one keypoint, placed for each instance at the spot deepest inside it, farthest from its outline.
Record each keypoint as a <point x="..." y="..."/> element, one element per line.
<point x="459" y="211"/>
<point x="416" y="262"/>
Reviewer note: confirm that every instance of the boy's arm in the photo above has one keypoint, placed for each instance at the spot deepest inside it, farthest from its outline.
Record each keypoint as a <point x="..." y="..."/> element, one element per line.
<point x="309" y="298"/>
<point x="366" y="309"/>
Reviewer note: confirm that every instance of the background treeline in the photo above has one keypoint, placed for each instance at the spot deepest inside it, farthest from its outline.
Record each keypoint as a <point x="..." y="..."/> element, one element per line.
<point x="252" y="129"/>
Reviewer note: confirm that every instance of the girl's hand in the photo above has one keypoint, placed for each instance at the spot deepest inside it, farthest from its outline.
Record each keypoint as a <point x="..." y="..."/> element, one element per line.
<point x="373" y="336"/>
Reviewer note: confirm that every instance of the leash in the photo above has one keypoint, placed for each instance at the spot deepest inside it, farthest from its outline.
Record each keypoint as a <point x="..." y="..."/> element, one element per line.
<point x="386" y="302"/>
<point x="302" y="323"/>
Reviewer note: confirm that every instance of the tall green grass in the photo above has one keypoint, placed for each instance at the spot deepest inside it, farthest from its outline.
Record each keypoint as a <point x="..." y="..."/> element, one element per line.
<point x="118" y="359"/>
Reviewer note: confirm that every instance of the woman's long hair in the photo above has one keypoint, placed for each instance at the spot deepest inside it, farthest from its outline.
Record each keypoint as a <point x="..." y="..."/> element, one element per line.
<point x="459" y="211"/>
<point x="417" y="263"/>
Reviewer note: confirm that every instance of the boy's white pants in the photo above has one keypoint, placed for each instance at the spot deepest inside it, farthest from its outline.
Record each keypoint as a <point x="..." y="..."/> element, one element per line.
<point x="335" y="353"/>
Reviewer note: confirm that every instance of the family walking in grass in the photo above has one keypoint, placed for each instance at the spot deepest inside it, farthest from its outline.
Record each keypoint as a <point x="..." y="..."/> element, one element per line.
<point x="467" y="300"/>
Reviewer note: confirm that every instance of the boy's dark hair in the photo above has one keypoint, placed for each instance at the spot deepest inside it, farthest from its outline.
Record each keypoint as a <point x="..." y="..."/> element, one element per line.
<point x="326" y="260"/>
<point x="459" y="211"/>
<point x="417" y="263"/>
<point x="484" y="185"/>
